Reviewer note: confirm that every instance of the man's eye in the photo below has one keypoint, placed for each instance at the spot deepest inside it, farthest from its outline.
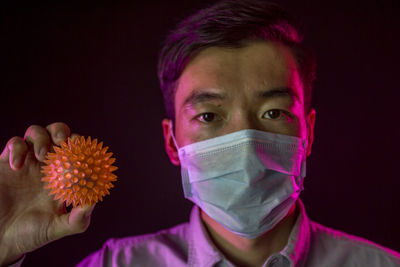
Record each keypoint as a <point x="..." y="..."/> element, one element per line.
<point x="207" y="117"/>
<point x="275" y="114"/>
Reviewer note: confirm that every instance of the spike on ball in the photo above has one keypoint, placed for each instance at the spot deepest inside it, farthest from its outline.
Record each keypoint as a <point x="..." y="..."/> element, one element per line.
<point x="79" y="172"/>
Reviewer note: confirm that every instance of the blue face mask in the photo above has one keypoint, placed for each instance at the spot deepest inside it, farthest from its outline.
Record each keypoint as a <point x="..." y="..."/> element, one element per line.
<point x="246" y="180"/>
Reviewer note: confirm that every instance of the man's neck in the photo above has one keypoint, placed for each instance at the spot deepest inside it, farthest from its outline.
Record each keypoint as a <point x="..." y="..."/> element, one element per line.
<point x="250" y="252"/>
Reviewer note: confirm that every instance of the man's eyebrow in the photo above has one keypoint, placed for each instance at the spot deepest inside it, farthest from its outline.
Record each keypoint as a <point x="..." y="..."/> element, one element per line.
<point x="279" y="92"/>
<point x="197" y="97"/>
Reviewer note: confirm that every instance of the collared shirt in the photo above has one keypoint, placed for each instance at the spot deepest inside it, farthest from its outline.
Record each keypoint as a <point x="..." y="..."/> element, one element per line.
<point x="309" y="245"/>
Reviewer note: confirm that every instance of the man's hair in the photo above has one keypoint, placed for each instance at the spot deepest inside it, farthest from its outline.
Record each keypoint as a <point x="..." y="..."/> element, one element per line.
<point x="231" y="23"/>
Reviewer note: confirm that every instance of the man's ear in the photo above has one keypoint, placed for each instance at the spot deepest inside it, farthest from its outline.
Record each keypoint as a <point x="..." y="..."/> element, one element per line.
<point x="310" y="118"/>
<point x="169" y="143"/>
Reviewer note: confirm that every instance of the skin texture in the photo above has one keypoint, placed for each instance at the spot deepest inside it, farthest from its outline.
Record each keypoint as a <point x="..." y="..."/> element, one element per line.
<point x="29" y="218"/>
<point x="223" y="90"/>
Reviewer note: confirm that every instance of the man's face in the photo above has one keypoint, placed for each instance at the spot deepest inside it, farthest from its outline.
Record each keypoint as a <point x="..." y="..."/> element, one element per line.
<point x="224" y="90"/>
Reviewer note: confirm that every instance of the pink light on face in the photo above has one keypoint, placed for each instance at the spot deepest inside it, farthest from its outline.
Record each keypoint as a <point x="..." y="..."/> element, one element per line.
<point x="296" y="84"/>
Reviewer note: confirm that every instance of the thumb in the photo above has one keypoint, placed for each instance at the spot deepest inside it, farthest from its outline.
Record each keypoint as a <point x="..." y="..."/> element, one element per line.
<point x="74" y="222"/>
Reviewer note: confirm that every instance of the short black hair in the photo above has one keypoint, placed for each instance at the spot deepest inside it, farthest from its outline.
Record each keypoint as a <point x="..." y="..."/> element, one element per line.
<point x="231" y="23"/>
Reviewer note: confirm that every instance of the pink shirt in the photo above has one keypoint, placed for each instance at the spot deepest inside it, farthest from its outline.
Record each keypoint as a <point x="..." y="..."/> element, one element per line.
<point x="310" y="245"/>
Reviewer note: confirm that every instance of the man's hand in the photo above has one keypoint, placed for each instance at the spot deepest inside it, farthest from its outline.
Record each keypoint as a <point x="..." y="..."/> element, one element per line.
<point x="29" y="218"/>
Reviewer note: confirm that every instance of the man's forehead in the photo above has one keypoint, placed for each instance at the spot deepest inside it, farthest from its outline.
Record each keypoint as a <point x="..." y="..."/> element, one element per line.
<point x="206" y="95"/>
<point x="257" y="67"/>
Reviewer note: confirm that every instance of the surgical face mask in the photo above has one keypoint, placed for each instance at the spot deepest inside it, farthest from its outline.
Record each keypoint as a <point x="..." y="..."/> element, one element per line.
<point x="247" y="180"/>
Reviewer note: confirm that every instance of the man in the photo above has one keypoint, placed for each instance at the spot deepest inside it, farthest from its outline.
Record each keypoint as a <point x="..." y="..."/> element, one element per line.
<point x="237" y="88"/>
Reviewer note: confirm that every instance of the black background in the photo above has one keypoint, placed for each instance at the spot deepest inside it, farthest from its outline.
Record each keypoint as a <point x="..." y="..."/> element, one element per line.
<point x="92" y="64"/>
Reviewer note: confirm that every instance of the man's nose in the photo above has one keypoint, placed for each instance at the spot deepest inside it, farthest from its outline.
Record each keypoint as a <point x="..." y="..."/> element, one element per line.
<point x="242" y="120"/>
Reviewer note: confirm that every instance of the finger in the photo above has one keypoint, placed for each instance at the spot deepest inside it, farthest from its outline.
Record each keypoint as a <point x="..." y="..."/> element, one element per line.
<point x="59" y="132"/>
<point x="74" y="136"/>
<point x="76" y="221"/>
<point x="40" y="139"/>
<point x="15" y="151"/>
<point x="5" y="153"/>
<point x="79" y="218"/>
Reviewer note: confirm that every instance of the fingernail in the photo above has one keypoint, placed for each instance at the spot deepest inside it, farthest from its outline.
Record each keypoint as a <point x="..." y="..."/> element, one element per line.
<point x="42" y="152"/>
<point x="61" y="135"/>
<point x="16" y="162"/>
<point x="89" y="212"/>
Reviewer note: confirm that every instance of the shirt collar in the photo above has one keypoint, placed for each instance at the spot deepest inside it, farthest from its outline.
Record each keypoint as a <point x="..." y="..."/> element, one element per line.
<point x="202" y="251"/>
<point x="299" y="238"/>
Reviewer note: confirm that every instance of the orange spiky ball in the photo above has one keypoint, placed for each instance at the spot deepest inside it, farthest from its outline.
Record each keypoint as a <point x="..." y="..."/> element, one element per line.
<point x="79" y="172"/>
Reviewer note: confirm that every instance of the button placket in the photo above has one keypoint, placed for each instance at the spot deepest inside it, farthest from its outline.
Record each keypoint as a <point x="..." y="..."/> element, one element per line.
<point x="273" y="262"/>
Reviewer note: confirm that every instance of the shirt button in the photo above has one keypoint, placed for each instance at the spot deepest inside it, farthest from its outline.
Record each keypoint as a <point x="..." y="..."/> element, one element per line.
<point x="273" y="262"/>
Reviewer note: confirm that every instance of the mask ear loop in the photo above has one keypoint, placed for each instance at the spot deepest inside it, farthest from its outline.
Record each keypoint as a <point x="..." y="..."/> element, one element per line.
<point x="171" y="128"/>
<point x="303" y="164"/>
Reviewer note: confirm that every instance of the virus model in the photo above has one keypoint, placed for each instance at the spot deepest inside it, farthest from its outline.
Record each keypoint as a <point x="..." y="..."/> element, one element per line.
<point x="79" y="172"/>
